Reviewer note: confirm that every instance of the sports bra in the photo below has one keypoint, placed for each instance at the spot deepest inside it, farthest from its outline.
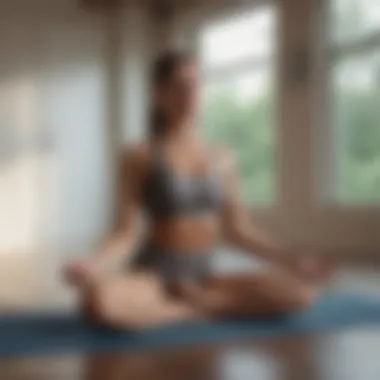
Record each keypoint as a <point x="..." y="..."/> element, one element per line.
<point x="167" y="194"/>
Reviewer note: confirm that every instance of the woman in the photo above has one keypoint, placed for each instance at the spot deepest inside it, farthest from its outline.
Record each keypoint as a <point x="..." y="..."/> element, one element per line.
<point x="186" y="194"/>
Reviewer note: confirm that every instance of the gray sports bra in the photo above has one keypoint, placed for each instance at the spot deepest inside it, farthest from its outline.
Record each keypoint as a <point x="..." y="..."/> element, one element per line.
<point x="168" y="194"/>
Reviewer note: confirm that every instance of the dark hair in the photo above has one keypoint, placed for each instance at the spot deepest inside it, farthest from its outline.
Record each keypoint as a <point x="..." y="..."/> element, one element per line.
<point x="162" y="70"/>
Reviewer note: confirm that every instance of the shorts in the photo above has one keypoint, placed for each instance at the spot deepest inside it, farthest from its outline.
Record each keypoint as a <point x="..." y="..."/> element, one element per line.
<point x="174" y="267"/>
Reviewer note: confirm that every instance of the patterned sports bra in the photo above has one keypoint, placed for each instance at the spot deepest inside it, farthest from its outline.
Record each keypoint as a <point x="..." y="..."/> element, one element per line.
<point x="168" y="194"/>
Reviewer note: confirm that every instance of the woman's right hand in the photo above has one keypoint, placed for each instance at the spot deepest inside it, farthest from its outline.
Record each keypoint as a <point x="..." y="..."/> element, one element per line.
<point x="81" y="272"/>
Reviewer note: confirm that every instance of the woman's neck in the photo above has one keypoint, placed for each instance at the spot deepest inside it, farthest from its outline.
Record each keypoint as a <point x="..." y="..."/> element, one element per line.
<point x="181" y="132"/>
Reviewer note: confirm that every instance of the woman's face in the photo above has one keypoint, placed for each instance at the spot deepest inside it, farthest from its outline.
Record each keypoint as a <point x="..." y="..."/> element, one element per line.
<point x="179" y="96"/>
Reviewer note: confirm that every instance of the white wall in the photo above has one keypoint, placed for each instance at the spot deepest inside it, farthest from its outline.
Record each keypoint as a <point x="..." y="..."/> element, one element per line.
<point x="53" y="76"/>
<point x="77" y="80"/>
<point x="300" y="218"/>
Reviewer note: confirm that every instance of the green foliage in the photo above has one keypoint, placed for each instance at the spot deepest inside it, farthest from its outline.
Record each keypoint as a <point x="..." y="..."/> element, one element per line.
<point x="357" y="117"/>
<point x="356" y="111"/>
<point x="246" y="128"/>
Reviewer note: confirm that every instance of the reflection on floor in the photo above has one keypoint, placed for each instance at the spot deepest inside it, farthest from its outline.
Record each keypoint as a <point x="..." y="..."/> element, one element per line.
<point x="348" y="355"/>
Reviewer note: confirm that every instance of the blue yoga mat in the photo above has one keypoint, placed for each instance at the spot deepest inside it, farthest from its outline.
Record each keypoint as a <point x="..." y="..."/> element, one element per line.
<point x="31" y="335"/>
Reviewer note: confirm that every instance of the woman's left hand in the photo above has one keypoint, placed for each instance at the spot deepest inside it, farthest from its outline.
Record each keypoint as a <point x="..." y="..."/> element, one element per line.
<point x="311" y="267"/>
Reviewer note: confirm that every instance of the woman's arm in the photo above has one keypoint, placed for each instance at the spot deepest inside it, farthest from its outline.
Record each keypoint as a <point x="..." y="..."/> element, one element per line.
<point x="122" y="239"/>
<point x="120" y="243"/>
<point x="239" y="230"/>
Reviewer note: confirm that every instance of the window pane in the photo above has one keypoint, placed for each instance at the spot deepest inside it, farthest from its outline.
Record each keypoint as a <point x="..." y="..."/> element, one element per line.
<point x="238" y="112"/>
<point x="250" y="36"/>
<point x="357" y="118"/>
<point x="354" y="18"/>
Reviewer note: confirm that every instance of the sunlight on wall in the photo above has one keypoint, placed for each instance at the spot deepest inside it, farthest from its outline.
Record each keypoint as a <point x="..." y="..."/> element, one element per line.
<point x="21" y="162"/>
<point x="54" y="196"/>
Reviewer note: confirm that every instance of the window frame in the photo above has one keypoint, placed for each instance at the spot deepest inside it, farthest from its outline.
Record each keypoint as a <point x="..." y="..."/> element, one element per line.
<point x="243" y="66"/>
<point x="328" y="55"/>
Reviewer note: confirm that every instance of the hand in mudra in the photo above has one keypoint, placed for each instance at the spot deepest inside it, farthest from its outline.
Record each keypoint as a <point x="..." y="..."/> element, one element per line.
<point x="312" y="267"/>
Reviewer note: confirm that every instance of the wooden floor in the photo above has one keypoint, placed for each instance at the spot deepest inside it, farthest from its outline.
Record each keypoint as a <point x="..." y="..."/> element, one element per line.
<point x="349" y="355"/>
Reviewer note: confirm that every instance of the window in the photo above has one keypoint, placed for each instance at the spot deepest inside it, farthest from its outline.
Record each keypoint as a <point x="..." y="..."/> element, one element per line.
<point x="355" y="80"/>
<point x="239" y="97"/>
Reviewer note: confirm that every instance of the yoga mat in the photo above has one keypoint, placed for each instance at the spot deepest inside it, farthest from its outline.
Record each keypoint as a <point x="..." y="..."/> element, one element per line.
<point x="32" y="335"/>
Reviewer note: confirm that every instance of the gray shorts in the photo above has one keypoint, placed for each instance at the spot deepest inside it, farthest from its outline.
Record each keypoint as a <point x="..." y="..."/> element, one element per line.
<point x="174" y="267"/>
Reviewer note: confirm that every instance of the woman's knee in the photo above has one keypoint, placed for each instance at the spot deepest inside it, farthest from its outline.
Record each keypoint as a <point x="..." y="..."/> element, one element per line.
<point x="107" y="311"/>
<point x="126" y="306"/>
<point x="96" y="306"/>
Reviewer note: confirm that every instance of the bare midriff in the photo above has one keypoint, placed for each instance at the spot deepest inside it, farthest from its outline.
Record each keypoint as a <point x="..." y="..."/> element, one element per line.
<point x="188" y="235"/>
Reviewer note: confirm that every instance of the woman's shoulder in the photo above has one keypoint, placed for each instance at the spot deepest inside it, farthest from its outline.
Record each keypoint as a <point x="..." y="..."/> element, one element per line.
<point x="222" y="156"/>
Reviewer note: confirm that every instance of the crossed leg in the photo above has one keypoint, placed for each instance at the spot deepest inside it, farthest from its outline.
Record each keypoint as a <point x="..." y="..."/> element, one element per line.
<point x="138" y="300"/>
